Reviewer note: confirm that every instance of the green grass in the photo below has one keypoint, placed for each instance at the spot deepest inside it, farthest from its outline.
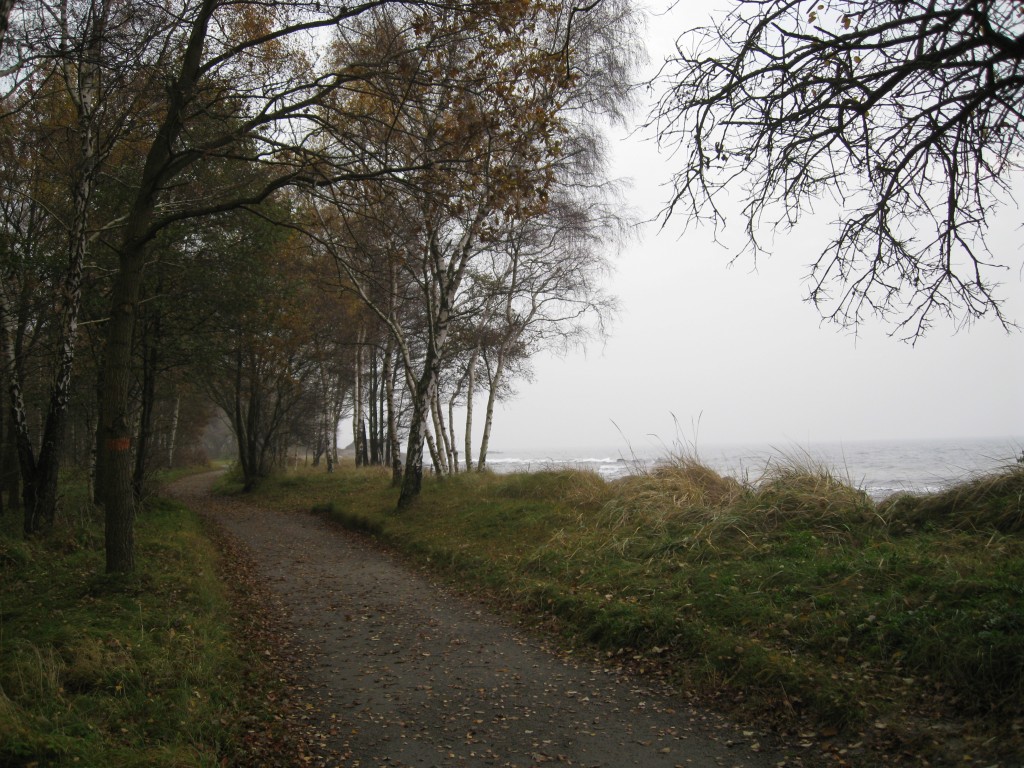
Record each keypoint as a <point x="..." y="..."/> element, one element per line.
<point x="796" y="597"/>
<point x="99" y="670"/>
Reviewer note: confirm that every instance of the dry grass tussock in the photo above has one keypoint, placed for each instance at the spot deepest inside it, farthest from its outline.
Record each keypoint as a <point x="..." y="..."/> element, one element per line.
<point x="684" y="498"/>
<point x="581" y="489"/>
<point x="683" y="483"/>
<point x="31" y="671"/>
<point x="797" y="492"/>
<point x="993" y="501"/>
<point x="688" y="493"/>
<point x="802" y="491"/>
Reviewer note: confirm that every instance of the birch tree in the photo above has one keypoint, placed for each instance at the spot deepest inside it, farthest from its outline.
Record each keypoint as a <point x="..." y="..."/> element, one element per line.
<point x="69" y="60"/>
<point x="550" y="293"/>
<point x="484" y="102"/>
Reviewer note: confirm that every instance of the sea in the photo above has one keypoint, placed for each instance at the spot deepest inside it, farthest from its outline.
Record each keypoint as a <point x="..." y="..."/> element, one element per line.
<point x="880" y="468"/>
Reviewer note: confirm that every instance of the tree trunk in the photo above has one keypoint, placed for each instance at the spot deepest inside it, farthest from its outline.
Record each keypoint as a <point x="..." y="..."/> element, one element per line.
<point x="435" y="456"/>
<point x="332" y="448"/>
<point x="98" y="483"/>
<point x="394" y="447"/>
<point x="443" y="448"/>
<point x="337" y="409"/>
<point x="13" y="474"/>
<point x="328" y="453"/>
<point x="9" y="472"/>
<point x="92" y="427"/>
<point x="470" y="390"/>
<point x="320" y="440"/>
<point x="423" y="398"/>
<point x="492" y="396"/>
<point x="412" y="479"/>
<point x="237" y="422"/>
<point x="150" y="352"/>
<point x="252" y="450"/>
<point x="357" y="401"/>
<point x="173" y="436"/>
<point x="115" y="429"/>
<point x="451" y="426"/>
<point x="362" y="444"/>
<point x="382" y="433"/>
<point x="374" y="457"/>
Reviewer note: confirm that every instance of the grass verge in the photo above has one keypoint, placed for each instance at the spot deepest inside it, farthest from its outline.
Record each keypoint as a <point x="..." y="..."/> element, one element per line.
<point x="795" y="599"/>
<point x="98" y="670"/>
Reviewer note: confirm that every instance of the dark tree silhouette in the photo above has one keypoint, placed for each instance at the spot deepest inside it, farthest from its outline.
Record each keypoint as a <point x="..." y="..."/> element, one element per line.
<point x="907" y="112"/>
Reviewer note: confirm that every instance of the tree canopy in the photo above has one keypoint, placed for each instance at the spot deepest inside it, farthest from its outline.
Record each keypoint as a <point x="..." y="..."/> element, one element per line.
<point x="491" y="114"/>
<point x="157" y="163"/>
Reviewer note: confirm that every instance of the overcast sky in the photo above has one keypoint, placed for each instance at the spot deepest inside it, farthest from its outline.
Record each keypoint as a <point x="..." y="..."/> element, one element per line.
<point x="741" y="352"/>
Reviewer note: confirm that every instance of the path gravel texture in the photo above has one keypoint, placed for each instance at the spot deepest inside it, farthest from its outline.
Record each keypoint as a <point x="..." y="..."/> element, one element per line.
<point x="401" y="671"/>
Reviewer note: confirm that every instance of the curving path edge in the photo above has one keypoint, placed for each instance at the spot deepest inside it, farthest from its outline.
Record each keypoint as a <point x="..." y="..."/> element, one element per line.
<point x="402" y="672"/>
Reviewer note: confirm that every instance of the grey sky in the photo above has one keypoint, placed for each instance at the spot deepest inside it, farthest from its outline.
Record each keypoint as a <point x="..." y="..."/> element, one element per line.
<point x="742" y="352"/>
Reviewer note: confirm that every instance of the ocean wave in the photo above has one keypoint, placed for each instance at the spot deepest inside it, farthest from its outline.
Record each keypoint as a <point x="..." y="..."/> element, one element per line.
<point x="557" y="461"/>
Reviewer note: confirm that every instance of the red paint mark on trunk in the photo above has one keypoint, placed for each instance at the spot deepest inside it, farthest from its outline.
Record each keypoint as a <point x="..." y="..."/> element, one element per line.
<point x="117" y="444"/>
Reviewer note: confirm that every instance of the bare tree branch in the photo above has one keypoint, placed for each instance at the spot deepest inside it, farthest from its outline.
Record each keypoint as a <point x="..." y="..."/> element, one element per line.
<point x="907" y="112"/>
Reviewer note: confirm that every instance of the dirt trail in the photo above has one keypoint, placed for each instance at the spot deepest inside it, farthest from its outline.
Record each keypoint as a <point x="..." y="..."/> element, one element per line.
<point x="402" y="672"/>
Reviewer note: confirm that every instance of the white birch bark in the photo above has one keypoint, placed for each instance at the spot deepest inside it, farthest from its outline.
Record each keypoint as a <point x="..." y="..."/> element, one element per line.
<point x="470" y="391"/>
<point x="444" y="446"/>
<point x="173" y="437"/>
<point x="492" y="397"/>
<point x="451" y="426"/>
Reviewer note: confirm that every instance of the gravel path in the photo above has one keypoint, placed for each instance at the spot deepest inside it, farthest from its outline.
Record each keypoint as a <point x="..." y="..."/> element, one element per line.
<point x="402" y="672"/>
